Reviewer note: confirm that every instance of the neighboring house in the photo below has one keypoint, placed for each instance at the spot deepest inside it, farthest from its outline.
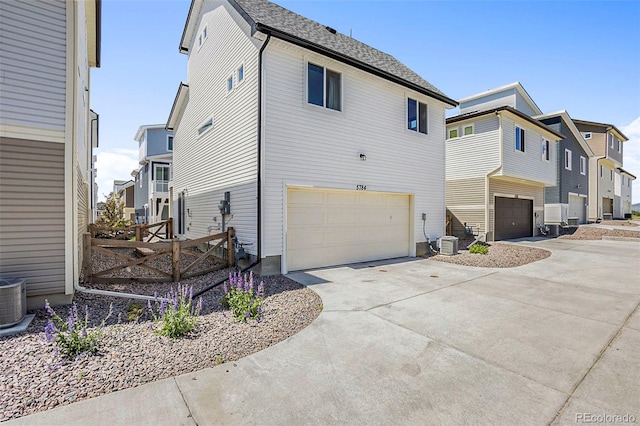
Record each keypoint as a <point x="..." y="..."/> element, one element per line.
<point x="567" y="201"/>
<point x="626" y="196"/>
<point x="126" y="192"/>
<point x="155" y="153"/>
<point x="47" y="133"/>
<point x="606" y="142"/>
<point x="328" y="150"/>
<point x="499" y="162"/>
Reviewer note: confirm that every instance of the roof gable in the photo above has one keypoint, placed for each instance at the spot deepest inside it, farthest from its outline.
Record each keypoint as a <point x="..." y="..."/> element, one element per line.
<point x="564" y="116"/>
<point x="494" y="94"/>
<point x="269" y="18"/>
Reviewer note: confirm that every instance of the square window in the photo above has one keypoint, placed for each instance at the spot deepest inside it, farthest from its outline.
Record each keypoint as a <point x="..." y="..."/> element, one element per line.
<point x="230" y="84"/>
<point x="545" y="149"/>
<point x="324" y="87"/>
<point x="519" y="139"/>
<point x="417" y="116"/>
<point x="567" y="159"/>
<point x="453" y="133"/>
<point x="587" y="135"/>
<point x="583" y="165"/>
<point x="467" y="130"/>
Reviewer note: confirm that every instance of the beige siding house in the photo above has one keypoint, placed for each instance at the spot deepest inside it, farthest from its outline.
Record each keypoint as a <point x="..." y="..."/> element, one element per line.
<point x="46" y="138"/>
<point x="278" y="113"/>
<point x="498" y="162"/>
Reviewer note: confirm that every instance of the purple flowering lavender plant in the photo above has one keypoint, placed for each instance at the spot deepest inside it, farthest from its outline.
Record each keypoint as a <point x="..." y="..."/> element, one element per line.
<point x="241" y="296"/>
<point x="72" y="336"/>
<point x="175" y="313"/>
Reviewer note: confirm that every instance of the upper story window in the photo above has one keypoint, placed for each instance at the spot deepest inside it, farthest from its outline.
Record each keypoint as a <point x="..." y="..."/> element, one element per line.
<point x="545" y="150"/>
<point x="611" y="140"/>
<point x="567" y="159"/>
<point x="241" y="73"/>
<point x="207" y="125"/>
<point x="583" y="165"/>
<point x="453" y="133"/>
<point x="467" y="130"/>
<point x="619" y="146"/>
<point x="324" y="87"/>
<point x="230" y="83"/>
<point x="169" y="143"/>
<point x="611" y="175"/>
<point x="519" y="139"/>
<point x="587" y="135"/>
<point x="202" y="37"/>
<point x="417" y="116"/>
<point x="601" y="170"/>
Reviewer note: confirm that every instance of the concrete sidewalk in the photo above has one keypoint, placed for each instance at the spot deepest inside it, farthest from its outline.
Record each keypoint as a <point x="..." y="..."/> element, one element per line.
<point x="425" y="342"/>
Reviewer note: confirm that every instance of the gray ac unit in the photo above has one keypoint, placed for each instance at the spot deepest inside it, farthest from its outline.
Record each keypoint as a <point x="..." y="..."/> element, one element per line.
<point x="13" y="301"/>
<point x="573" y="221"/>
<point x="607" y="216"/>
<point x="449" y="245"/>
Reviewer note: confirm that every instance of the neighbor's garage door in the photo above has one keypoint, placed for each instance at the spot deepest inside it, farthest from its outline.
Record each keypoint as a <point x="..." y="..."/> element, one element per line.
<point x="331" y="227"/>
<point x="577" y="208"/>
<point x="514" y="218"/>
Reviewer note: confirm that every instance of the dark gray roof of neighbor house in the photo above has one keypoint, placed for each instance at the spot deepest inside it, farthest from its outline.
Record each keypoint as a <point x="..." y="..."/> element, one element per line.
<point x="270" y="18"/>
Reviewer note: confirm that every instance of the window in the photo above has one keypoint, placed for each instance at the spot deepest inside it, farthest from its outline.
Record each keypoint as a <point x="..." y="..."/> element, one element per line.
<point x="619" y="145"/>
<point x="240" y="74"/>
<point x="202" y="37"/>
<point x="567" y="159"/>
<point x="545" y="149"/>
<point x="611" y="140"/>
<point x="324" y="87"/>
<point x="416" y="116"/>
<point x="453" y="133"/>
<point x="467" y="130"/>
<point x="208" y="124"/>
<point x="587" y="135"/>
<point x="601" y="170"/>
<point x="230" y="84"/>
<point x="583" y="165"/>
<point x="611" y="175"/>
<point x="169" y="143"/>
<point x="519" y="139"/>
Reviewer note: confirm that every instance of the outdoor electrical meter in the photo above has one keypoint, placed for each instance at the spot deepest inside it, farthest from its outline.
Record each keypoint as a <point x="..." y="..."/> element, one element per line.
<point x="225" y="205"/>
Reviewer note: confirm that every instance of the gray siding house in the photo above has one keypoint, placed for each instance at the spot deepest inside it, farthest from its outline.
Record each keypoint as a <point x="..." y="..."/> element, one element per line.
<point x="567" y="202"/>
<point x="155" y="148"/>
<point x="47" y="133"/>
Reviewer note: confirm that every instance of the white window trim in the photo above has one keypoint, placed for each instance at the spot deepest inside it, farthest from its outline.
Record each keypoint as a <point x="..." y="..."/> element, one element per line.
<point x="172" y="137"/>
<point x="522" y="142"/>
<point x="601" y="171"/>
<point x="202" y="37"/>
<point x="619" y="146"/>
<point x="406" y="116"/>
<point x="611" y="175"/>
<point x="583" y="166"/>
<point x="203" y="124"/>
<point x="588" y="135"/>
<point x="547" y="144"/>
<point x="611" y="140"/>
<point x="322" y="107"/>
<point x="473" y="129"/>
<point x="233" y="84"/>
<point x="450" y="129"/>
<point x="568" y="159"/>
<point x="239" y="81"/>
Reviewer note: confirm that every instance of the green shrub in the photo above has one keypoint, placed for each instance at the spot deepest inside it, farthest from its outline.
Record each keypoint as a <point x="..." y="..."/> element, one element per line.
<point x="72" y="336"/>
<point x="175" y="312"/>
<point x="240" y="297"/>
<point x="478" y="249"/>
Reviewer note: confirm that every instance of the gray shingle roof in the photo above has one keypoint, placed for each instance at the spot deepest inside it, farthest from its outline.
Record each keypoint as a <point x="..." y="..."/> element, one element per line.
<point x="265" y="13"/>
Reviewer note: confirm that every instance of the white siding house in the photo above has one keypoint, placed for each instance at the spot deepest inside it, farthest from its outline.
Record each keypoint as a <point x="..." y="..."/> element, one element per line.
<point x="498" y="162"/>
<point x="321" y="155"/>
<point x="47" y="133"/>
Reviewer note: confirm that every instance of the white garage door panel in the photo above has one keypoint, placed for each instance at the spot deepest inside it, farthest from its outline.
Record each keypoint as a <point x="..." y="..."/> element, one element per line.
<point x="329" y="227"/>
<point x="577" y="208"/>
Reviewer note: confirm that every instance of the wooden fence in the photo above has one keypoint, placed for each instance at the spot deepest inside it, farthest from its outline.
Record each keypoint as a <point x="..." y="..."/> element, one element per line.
<point x="141" y="232"/>
<point x="171" y="251"/>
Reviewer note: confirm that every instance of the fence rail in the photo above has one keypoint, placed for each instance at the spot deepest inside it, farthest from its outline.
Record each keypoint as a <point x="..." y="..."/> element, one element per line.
<point x="141" y="232"/>
<point x="169" y="250"/>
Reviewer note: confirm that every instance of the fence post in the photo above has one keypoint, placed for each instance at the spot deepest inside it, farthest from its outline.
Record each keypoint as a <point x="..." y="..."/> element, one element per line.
<point x="175" y="259"/>
<point x="231" y="250"/>
<point x="138" y="233"/>
<point x="87" y="264"/>
<point x="92" y="230"/>
<point x="170" y="228"/>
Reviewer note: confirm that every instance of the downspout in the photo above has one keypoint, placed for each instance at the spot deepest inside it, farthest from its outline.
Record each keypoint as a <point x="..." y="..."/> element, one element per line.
<point x="258" y="178"/>
<point x="599" y="206"/>
<point x="491" y="173"/>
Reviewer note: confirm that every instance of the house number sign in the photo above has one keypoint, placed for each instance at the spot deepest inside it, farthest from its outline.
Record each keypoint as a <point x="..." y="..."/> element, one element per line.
<point x="361" y="187"/>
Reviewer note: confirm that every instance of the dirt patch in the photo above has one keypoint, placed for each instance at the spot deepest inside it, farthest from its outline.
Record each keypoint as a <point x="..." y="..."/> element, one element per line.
<point x="501" y="255"/>
<point x="619" y="223"/>
<point x="595" y="233"/>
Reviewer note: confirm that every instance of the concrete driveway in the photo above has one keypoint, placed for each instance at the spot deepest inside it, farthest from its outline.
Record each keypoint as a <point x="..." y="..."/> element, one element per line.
<point x="425" y="342"/>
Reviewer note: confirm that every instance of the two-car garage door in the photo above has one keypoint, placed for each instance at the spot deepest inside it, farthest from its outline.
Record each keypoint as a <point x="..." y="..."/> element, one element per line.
<point x="332" y="227"/>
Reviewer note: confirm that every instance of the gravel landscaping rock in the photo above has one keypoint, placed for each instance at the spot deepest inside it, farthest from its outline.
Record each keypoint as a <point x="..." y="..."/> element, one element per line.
<point x="501" y="255"/>
<point x="595" y="233"/>
<point x="35" y="379"/>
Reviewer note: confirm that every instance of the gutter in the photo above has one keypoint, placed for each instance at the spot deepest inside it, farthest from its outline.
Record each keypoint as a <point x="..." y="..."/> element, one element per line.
<point x="350" y="61"/>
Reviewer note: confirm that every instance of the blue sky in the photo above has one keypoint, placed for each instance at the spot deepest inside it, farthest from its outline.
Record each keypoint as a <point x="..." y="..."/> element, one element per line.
<point x="581" y="56"/>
